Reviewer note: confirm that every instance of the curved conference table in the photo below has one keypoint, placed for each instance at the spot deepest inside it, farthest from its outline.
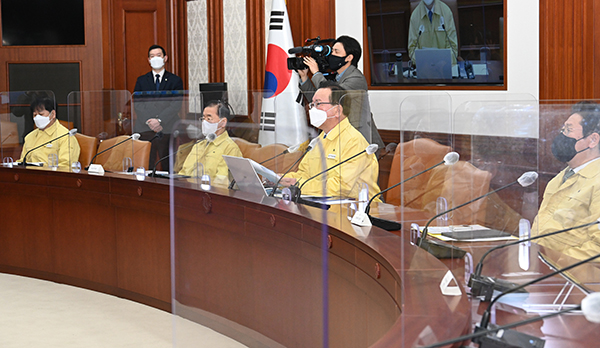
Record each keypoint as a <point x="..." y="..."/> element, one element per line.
<point x="249" y="267"/>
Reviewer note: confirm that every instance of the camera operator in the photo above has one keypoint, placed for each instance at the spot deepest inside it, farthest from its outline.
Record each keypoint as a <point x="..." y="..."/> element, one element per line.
<point x="343" y="60"/>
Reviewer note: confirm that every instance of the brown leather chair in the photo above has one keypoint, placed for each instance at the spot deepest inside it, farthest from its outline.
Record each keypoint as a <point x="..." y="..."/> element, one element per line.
<point x="411" y="158"/>
<point x="112" y="160"/>
<point x="88" y="146"/>
<point x="258" y="153"/>
<point x="66" y="124"/>
<point x="459" y="184"/>
<point x="246" y="147"/>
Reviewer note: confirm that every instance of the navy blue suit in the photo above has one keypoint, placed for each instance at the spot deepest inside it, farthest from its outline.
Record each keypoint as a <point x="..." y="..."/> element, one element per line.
<point x="162" y="104"/>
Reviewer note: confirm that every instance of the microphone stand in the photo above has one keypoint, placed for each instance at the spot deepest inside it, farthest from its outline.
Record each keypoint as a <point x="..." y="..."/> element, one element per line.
<point x="99" y="153"/>
<point x="74" y="130"/>
<point x="287" y="171"/>
<point x="485" y="318"/>
<point x="153" y="174"/>
<point x="443" y="250"/>
<point x="482" y="286"/>
<point x="483" y="332"/>
<point x="387" y="224"/>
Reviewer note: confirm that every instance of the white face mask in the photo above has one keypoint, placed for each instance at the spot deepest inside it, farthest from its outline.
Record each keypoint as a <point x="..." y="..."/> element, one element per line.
<point x="317" y="116"/>
<point x="157" y="62"/>
<point x="41" y="121"/>
<point x="208" y="128"/>
<point x="428" y="2"/>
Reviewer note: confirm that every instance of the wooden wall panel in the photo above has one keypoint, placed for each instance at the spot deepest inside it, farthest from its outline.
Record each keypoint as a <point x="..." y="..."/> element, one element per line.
<point x="89" y="56"/>
<point x="308" y="19"/>
<point x="568" y="53"/>
<point x="136" y="26"/>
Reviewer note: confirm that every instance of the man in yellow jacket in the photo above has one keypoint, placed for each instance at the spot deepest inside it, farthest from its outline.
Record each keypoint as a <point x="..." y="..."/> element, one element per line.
<point x="572" y="197"/>
<point x="340" y="140"/>
<point x="209" y="153"/>
<point x="48" y="128"/>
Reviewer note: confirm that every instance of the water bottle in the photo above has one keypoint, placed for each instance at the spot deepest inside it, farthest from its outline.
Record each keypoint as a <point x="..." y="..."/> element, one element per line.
<point x="398" y="65"/>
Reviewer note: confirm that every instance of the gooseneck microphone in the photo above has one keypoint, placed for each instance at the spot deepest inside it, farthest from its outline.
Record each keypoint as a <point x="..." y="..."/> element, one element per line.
<point x="590" y="306"/>
<point x="450" y="43"/>
<point x="134" y="136"/>
<point x="389" y="148"/>
<point x="308" y="148"/>
<point x="449" y="159"/>
<point x="485" y="286"/>
<point x="300" y="147"/>
<point x="443" y="250"/>
<point x="485" y="318"/>
<point x="70" y="133"/>
<point x="371" y="149"/>
<point x="153" y="174"/>
<point x="488" y="340"/>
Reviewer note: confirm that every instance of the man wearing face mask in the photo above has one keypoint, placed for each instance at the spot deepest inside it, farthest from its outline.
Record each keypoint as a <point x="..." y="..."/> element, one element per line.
<point x="328" y="111"/>
<point x="48" y="128"/>
<point x="157" y="110"/>
<point x="343" y="60"/>
<point x="210" y="153"/>
<point x="432" y="26"/>
<point x="572" y="197"/>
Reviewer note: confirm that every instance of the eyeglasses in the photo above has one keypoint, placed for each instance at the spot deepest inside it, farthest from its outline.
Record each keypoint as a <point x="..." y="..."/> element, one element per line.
<point x="566" y="130"/>
<point x="317" y="104"/>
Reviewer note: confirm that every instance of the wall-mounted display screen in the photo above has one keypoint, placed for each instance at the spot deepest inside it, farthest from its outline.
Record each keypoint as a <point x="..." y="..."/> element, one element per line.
<point x="436" y="42"/>
<point x="42" y="22"/>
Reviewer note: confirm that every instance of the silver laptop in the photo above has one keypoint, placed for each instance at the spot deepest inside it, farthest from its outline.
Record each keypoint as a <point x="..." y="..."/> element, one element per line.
<point x="434" y="63"/>
<point x="245" y="176"/>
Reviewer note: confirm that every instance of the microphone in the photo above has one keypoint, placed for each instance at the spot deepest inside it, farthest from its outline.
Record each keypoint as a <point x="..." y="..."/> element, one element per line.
<point x="210" y="138"/>
<point x="308" y="148"/>
<point x="485" y="286"/>
<point x="296" y="192"/>
<point x="443" y="250"/>
<point x="134" y="136"/>
<point x="300" y="147"/>
<point x="590" y="306"/>
<point x="492" y="341"/>
<point x="485" y="318"/>
<point x="157" y="135"/>
<point x="70" y="133"/>
<point x="391" y="147"/>
<point x="153" y="174"/>
<point x="369" y="150"/>
<point x="449" y="159"/>
<point x="449" y="43"/>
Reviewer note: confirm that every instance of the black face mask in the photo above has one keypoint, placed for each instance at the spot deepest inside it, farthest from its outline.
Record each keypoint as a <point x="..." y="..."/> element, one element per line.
<point x="563" y="148"/>
<point x="336" y="62"/>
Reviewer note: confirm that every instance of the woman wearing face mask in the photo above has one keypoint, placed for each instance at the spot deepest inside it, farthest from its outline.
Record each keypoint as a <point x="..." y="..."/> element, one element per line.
<point x="48" y="128"/>
<point x="572" y="197"/>
<point x="210" y="151"/>
<point x="343" y="60"/>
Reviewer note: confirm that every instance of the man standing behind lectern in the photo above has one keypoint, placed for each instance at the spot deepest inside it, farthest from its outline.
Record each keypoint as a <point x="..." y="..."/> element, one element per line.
<point x="157" y="110"/>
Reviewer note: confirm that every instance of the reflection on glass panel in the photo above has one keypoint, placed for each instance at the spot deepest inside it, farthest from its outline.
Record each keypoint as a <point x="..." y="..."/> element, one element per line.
<point x="423" y="42"/>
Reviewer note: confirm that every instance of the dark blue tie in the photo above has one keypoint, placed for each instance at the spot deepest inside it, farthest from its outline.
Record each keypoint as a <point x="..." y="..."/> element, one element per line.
<point x="157" y="81"/>
<point x="430" y="15"/>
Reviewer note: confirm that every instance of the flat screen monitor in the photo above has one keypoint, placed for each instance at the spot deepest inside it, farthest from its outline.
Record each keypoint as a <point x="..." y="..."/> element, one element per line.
<point x="213" y="91"/>
<point x="42" y="22"/>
